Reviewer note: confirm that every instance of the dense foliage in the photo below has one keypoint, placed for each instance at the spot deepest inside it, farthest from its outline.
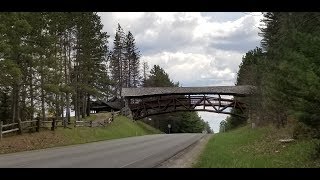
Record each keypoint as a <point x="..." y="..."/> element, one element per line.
<point x="51" y="63"/>
<point x="181" y="122"/>
<point x="286" y="70"/>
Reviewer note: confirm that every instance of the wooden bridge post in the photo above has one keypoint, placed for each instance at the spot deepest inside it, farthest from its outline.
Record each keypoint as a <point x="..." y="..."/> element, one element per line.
<point x="219" y="103"/>
<point x="112" y="115"/>
<point x="204" y="101"/>
<point x="126" y="111"/>
<point x="1" y="123"/>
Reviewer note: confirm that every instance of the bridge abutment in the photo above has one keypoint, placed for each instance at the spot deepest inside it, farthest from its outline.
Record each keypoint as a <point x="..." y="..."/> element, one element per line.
<point x="126" y="111"/>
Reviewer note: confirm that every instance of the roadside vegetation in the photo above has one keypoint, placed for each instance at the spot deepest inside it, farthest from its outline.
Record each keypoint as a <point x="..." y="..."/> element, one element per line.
<point x="51" y="62"/>
<point x="121" y="127"/>
<point x="285" y="72"/>
<point x="245" y="147"/>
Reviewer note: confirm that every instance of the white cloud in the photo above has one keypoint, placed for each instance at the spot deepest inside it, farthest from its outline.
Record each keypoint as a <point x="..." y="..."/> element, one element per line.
<point x="196" y="49"/>
<point x="192" y="69"/>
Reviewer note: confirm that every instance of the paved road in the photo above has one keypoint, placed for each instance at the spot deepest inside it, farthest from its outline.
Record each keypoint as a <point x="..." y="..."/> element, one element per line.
<point x="141" y="151"/>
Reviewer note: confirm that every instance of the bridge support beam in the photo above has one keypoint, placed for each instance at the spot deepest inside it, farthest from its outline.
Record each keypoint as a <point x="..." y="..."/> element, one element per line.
<point x="147" y="106"/>
<point x="144" y="102"/>
<point x="126" y="111"/>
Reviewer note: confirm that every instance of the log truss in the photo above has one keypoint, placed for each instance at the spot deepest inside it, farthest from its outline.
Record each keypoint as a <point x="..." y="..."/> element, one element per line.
<point x="153" y="105"/>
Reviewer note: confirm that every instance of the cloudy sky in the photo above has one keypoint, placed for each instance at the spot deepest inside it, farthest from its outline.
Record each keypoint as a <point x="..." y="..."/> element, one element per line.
<point x="194" y="48"/>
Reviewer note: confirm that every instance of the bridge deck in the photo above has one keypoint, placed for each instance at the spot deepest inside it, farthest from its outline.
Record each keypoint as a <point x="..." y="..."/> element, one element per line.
<point x="222" y="90"/>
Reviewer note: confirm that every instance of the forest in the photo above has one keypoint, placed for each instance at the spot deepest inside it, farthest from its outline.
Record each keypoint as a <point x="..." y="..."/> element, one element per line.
<point x="55" y="62"/>
<point x="286" y="71"/>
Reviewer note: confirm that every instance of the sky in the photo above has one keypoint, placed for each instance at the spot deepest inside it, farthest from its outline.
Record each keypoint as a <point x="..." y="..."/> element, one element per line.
<point x="194" y="48"/>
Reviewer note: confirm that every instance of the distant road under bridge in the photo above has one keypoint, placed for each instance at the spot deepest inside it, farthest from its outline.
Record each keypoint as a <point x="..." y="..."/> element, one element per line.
<point x="148" y="101"/>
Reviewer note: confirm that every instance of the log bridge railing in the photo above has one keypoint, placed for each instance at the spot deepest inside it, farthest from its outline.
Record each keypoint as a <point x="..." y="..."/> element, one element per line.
<point x="165" y="104"/>
<point x="147" y="101"/>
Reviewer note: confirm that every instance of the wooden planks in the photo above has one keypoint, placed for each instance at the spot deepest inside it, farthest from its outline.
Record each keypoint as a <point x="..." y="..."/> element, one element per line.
<point x="165" y="104"/>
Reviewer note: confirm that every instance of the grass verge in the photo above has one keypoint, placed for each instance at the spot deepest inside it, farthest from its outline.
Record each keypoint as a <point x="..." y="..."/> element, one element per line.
<point x="256" y="148"/>
<point x="121" y="127"/>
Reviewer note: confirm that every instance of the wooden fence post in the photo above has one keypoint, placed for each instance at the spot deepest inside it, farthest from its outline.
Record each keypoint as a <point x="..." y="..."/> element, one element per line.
<point x="53" y="126"/>
<point x="38" y="125"/>
<point x="1" y="123"/>
<point x="19" y="126"/>
<point x="64" y="122"/>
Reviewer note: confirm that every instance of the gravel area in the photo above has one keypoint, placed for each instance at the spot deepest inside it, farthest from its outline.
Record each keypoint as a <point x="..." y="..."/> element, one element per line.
<point x="187" y="157"/>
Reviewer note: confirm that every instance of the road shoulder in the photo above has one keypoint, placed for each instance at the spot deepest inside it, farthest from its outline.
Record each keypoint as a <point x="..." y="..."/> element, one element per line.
<point x="187" y="157"/>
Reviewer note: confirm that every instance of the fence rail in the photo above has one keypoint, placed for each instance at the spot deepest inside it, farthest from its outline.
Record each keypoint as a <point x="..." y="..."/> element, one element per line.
<point x="83" y="124"/>
<point x="36" y="124"/>
<point x="8" y="125"/>
<point x="20" y="127"/>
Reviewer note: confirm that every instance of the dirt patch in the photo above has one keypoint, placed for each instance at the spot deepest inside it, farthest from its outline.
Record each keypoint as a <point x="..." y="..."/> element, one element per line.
<point x="187" y="157"/>
<point x="31" y="141"/>
<point x="101" y="119"/>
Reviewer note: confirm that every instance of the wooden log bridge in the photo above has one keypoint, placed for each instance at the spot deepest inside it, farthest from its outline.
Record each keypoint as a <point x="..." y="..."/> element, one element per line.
<point x="144" y="102"/>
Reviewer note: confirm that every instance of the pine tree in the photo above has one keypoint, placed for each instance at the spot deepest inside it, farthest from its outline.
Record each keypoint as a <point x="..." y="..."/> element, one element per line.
<point x="47" y="59"/>
<point x="14" y="33"/>
<point x="133" y="59"/>
<point x="91" y="56"/>
<point x="180" y="121"/>
<point x="116" y="61"/>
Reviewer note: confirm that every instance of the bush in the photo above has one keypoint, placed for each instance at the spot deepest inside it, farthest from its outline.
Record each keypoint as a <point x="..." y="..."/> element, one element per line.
<point x="302" y="131"/>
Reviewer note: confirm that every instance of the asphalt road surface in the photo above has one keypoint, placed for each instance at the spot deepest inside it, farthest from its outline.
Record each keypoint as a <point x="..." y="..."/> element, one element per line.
<point x="133" y="152"/>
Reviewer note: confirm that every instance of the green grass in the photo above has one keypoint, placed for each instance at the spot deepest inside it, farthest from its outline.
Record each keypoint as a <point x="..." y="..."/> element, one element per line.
<point x="148" y="129"/>
<point x="256" y="148"/>
<point x="121" y="127"/>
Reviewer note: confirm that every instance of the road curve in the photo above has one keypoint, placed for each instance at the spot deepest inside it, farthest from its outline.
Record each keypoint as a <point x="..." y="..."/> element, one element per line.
<point x="133" y="152"/>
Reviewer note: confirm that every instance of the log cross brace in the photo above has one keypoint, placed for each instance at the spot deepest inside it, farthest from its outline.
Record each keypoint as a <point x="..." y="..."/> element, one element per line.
<point x="147" y="106"/>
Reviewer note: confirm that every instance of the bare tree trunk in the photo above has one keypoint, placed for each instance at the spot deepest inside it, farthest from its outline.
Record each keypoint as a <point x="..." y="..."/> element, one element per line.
<point x="17" y="104"/>
<point x="62" y="112"/>
<point x="121" y="78"/>
<point x="77" y="93"/>
<point x="83" y="100"/>
<point x="68" y="107"/>
<point x="129" y="73"/>
<point x="145" y="68"/>
<point x="23" y="103"/>
<point x="67" y="78"/>
<point x="57" y="100"/>
<point x="13" y="106"/>
<point x="88" y="105"/>
<point x="75" y="103"/>
<point x="43" y="111"/>
<point x="31" y="95"/>
<point x="15" y="100"/>
<point x="78" y="105"/>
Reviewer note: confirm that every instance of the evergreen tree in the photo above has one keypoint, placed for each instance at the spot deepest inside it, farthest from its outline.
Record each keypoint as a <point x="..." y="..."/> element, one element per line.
<point x="181" y="122"/>
<point x="47" y="59"/>
<point x="117" y="61"/>
<point x="133" y="59"/>
<point x="287" y="71"/>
